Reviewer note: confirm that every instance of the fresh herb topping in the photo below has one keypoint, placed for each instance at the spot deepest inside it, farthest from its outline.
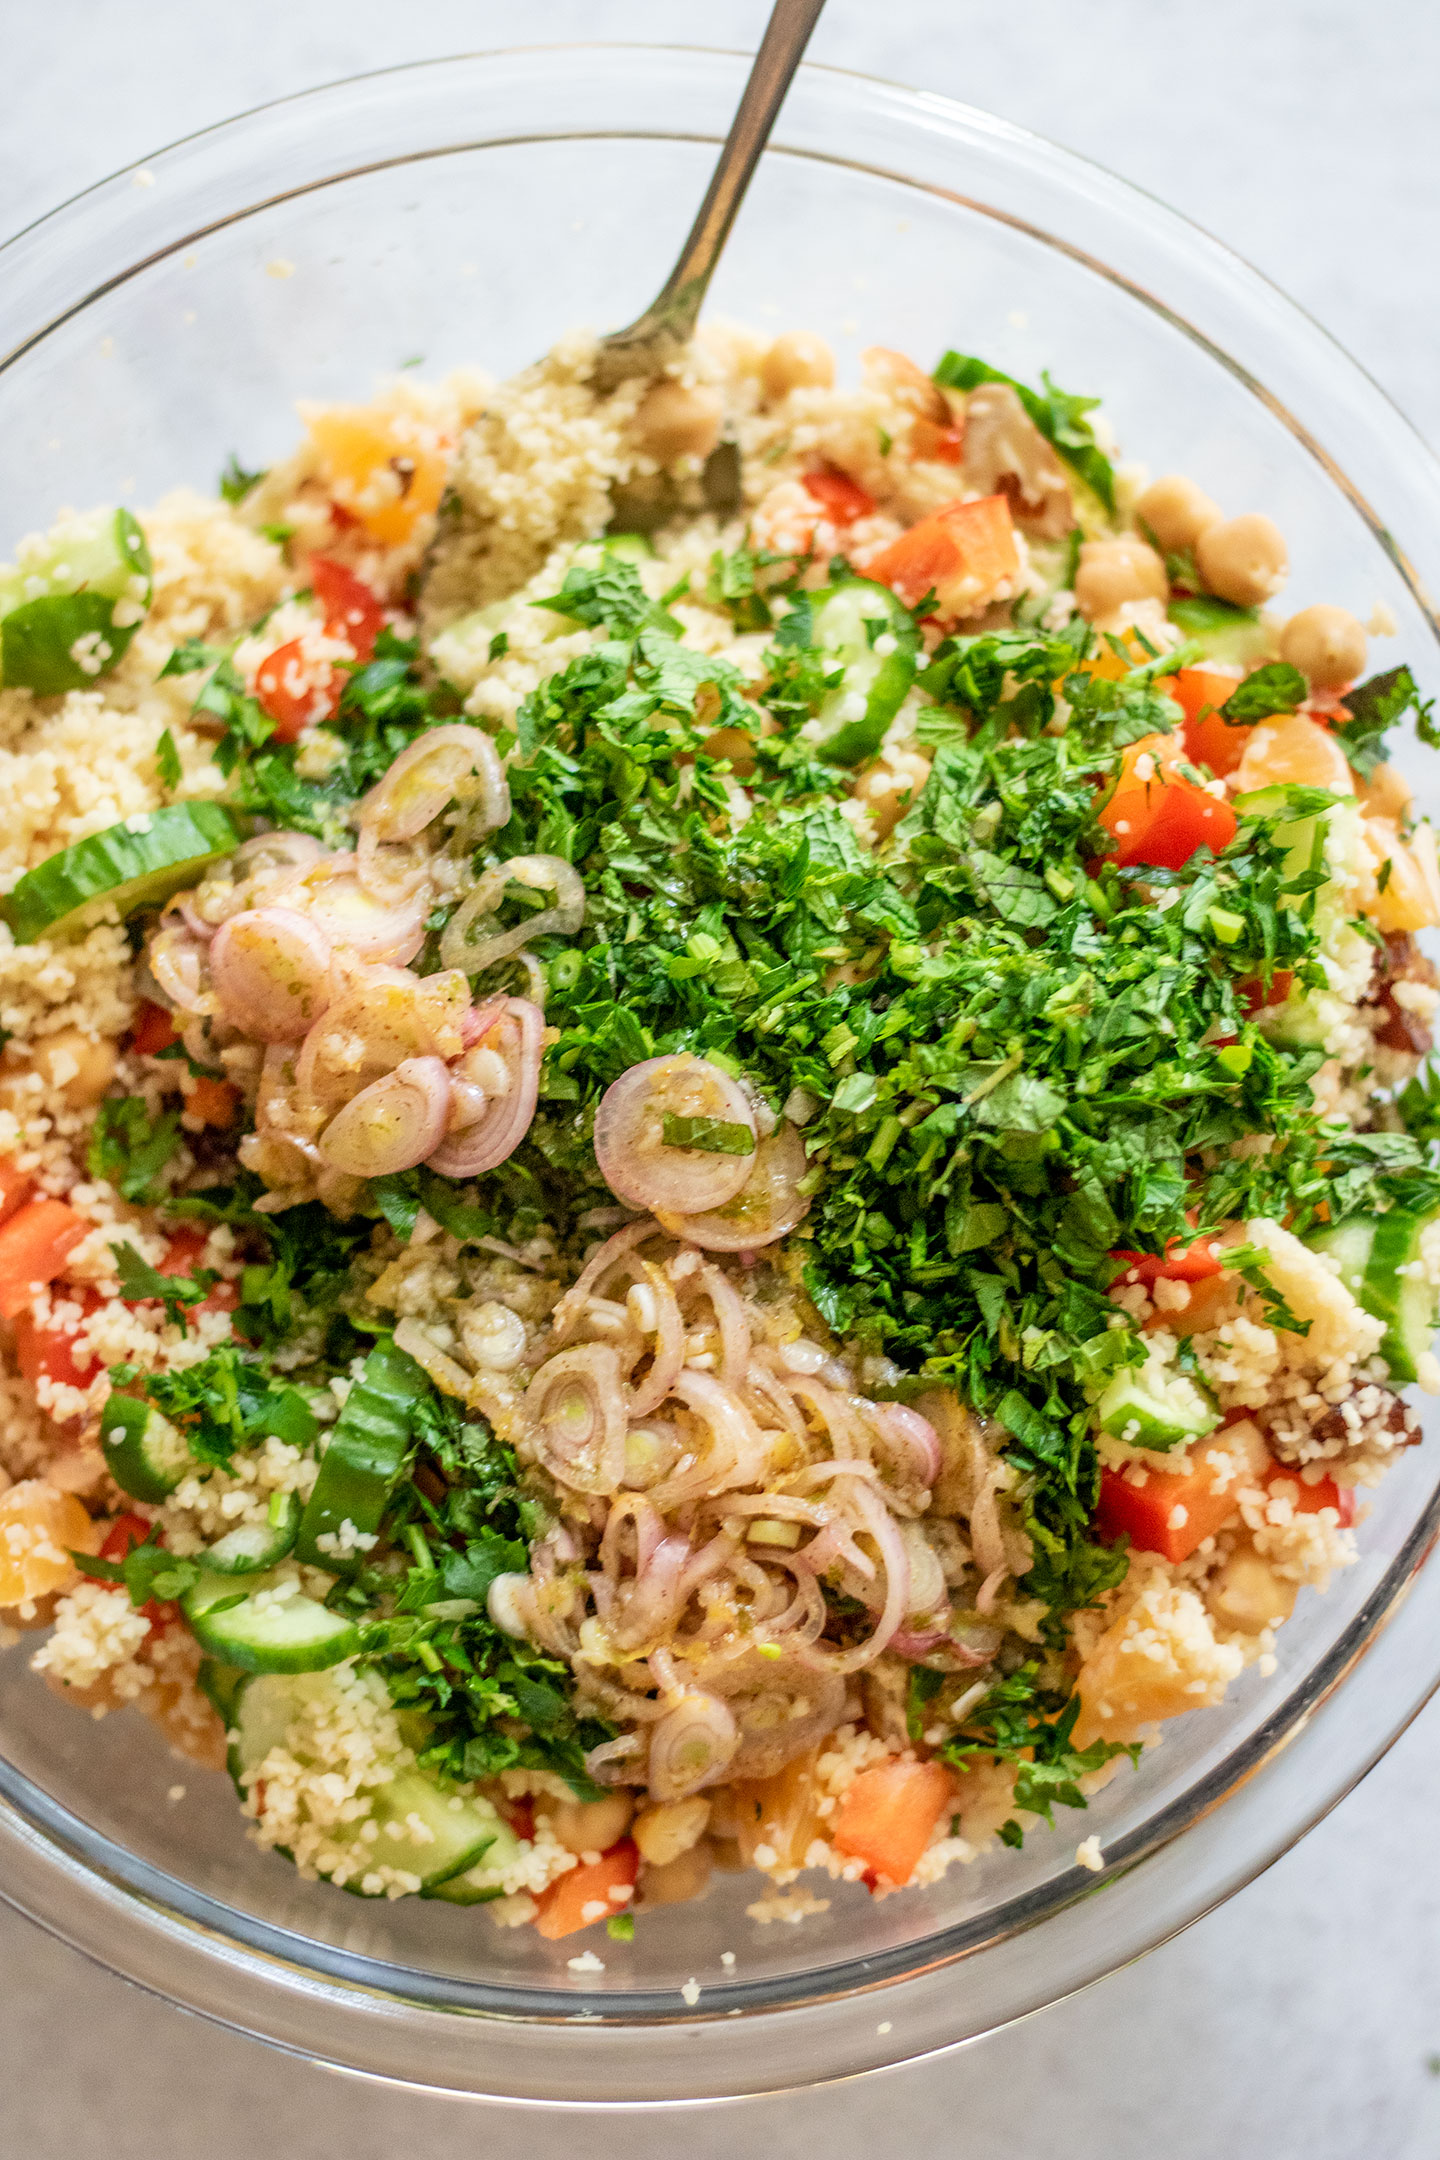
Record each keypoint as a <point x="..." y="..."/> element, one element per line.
<point x="1059" y="417"/>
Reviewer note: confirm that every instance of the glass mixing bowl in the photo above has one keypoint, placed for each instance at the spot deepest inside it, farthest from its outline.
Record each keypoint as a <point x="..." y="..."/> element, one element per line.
<point x="469" y="211"/>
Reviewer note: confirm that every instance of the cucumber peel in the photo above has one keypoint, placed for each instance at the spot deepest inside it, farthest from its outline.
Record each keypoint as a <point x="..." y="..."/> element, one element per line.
<point x="295" y="1634"/>
<point x="128" y="867"/>
<point x="849" y="620"/>
<point x="457" y="1834"/>
<point x="69" y="612"/>
<point x="1376" y="1255"/>
<point x="1154" y="1406"/>
<point x="256" y="1546"/>
<point x="145" y="1454"/>
<point x="363" y="1460"/>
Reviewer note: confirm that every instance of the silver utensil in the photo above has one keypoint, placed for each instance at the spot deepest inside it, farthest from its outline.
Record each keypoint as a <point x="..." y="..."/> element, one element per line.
<point x="655" y="337"/>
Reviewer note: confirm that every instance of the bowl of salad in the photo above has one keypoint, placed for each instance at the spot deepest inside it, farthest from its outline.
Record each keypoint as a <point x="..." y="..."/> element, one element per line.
<point x="718" y="1236"/>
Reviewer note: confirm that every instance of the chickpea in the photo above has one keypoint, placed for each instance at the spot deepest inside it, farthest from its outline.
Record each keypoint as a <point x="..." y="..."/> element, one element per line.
<point x="1243" y="559"/>
<point x="685" y="1877"/>
<point x="590" y="1825"/>
<point x="1247" y="1594"/>
<point x="797" y="361"/>
<point x="1327" y="644"/>
<point x="76" y="1066"/>
<point x="1113" y="572"/>
<point x="676" y="420"/>
<point x="1177" y="511"/>
<point x="664" y="1833"/>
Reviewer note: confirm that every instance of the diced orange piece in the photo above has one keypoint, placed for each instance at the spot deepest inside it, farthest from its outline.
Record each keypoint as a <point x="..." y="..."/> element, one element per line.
<point x="964" y="552"/>
<point x="386" y="468"/>
<point x="34" y="1246"/>
<point x="39" y="1528"/>
<point x="213" y="1102"/>
<point x="16" y="1187"/>
<point x="1292" y="748"/>
<point x="887" y="1816"/>
<point x="587" y="1893"/>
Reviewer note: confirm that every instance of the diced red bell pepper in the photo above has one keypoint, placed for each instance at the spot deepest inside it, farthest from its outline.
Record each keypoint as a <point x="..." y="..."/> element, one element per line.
<point x="34" y="1246"/>
<point x="1181" y="1263"/>
<point x="125" y="1532"/>
<point x="294" y="692"/>
<point x="1164" y="823"/>
<point x="963" y="552"/>
<point x="586" y="1894"/>
<point x="154" y="1029"/>
<point x="887" y="1816"/>
<point x="213" y="1102"/>
<point x="48" y="1353"/>
<point x="351" y="608"/>
<point x="1172" y="1513"/>
<point x="1254" y="996"/>
<point x="1210" y="739"/>
<point x="1308" y="1499"/>
<point x="842" y="498"/>
<point x="16" y="1187"/>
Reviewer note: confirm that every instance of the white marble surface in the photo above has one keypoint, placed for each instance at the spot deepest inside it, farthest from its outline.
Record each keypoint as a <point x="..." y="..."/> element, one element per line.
<point x="1302" y="2017"/>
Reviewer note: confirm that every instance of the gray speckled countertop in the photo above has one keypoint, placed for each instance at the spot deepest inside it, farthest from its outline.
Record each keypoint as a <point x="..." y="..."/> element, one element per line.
<point x="1302" y="2017"/>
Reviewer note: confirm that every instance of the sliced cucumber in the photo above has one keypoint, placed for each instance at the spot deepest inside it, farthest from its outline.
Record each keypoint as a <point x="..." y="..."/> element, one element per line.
<point x="423" y="1829"/>
<point x="1153" y="1406"/>
<point x="145" y="1454"/>
<point x="257" y="1545"/>
<point x="260" y="1634"/>
<point x="1223" y="632"/>
<point x="222" y="1687"/>
<point x="630" y="546"/>
<point x="1376" y="1255"/>
<point x="850" y="621"/>
<point x="476" y="1885"/>
<point x="367" y="1451"/>
<point x="69" y="611"/>
<point x="135" y="865"/>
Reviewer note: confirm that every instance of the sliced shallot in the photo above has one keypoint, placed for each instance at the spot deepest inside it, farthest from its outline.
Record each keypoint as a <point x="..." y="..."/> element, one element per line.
<point x="766" y="1207"/>
<point x="393" y="1124"/>
<point x="641" y="1165"/>
<point x="503" y="1095"/>
<point x="444" y="765"/>
<point x="388" y="1016"/>
<point x="180" y="964"/>
<point x="371" y="929"/>
<point x="692" y="1746"/>
<point x="541" y="873"/>
<point x="272" y="970"/>
<point x="576" y="1412"/>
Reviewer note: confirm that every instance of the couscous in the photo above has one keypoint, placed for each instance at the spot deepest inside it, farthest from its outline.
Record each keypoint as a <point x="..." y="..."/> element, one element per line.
<point x="713" y="1138"/>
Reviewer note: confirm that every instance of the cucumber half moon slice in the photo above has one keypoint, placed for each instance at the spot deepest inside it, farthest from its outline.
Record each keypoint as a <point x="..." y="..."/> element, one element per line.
<point x="128" y="867"/>
<point x="69" y="610"/>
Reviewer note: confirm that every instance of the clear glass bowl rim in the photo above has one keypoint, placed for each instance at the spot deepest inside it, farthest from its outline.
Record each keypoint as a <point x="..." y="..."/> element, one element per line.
<point x="385" y="2021"/>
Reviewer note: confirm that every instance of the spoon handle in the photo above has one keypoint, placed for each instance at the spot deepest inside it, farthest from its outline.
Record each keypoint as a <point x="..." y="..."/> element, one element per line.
<point x="670" y="319"/>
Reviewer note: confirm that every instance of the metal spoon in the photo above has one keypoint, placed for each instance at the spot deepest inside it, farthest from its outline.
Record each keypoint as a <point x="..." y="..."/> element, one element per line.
<point x="655" y="337"/>
<point x="666" y="326"/>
